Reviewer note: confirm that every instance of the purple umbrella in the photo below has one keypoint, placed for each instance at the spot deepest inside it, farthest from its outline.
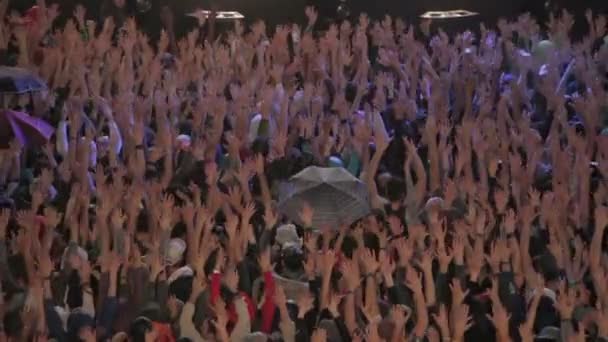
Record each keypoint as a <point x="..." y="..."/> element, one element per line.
<point x="19" y="81"/>
<point x="30" y="131"/>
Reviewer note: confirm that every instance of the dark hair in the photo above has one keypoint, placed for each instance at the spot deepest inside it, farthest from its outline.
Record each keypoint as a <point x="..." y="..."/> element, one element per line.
<point x="139" y="328"/>
<point x="292" y="259"/>
<point x="16" y="265"/>
<point x="181" y="288"/>
<point x="13" y="324"/>
<point x="74" y="295"/>
<point x="395" y="189"/>
<point x="210" y="263"/>
<point x="260" y="146"/>
<point x="350" y="92"/>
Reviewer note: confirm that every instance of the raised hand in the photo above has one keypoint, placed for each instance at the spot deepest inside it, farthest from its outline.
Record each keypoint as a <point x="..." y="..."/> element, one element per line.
<point x="248" y="211"/>
<point x="52" y="218"/>
<point x="400" y="314"/>
<point x="501" y="199"/>
<point x="231" y="225"/>
<point x="118" y="219"/>
<point x="312" y="15"/>
<point x="305" y="304"/>
<point x="306" y="214"/>
<point x="167" y="210"/>
<point x="264" y="261"/>
<point x="328" y="260"/>
<point x="405" y="250"/>
<point x="334" y="302"/>
<point x="231" y="280"/>
<point x="413" y="280"/>
<point x="461" y="321"/>
<point x="441" y="319"/>
<point x="601" y="217"/>
<point x="271" y="217"/>
<point x="381" y="143"/>
<point x="5" y="215"/>
<point x="458" y="294"/>
<point x="387" y="268"/>
<point x="566" y="302"/>
<point x="319" y="335"/>
<point x="26" y="219"/>
<point x="221" y="320"/>
<point x="79" y="15"/>
<point x="499" y="317"/>
<point x="310" y="266"/>
<point x="509" y="222"/>
<point x="370" y="262"/>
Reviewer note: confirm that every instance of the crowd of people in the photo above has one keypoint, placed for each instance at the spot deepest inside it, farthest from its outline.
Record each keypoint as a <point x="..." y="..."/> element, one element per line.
<point x="151" y="215"/>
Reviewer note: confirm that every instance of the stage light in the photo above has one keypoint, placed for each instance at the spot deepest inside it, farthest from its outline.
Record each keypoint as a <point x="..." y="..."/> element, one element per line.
<point x="143" y="5"/>
<point x="219" y="15"/>
<point x="448" y="14"/>
<point x="343" y="10"/>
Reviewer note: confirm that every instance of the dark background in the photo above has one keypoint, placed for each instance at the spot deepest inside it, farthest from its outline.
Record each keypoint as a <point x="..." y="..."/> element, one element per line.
<point x="283" y="11"/>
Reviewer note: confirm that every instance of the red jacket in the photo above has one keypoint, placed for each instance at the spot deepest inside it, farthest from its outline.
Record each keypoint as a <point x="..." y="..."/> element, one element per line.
<point x="164" y="332"/>
<point x="268" y="309"/>
<point x="216" y="284"/>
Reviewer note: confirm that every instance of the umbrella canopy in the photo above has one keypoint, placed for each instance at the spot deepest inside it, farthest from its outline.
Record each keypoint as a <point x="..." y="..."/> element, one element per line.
<point x="30" y="131"/>
<point x="543" y="50"/>
<point x="19" y="81"/>
<point x="336" y="196"/>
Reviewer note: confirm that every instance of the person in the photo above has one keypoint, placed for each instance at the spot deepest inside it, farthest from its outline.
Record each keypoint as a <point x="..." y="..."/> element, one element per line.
<point x="118" y="10"/>
<point x="154" y="214"/>
<point x="142" y="330"/>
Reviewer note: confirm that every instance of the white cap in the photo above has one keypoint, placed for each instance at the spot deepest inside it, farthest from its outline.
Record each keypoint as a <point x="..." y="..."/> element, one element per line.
<point x="180" y="273"/>
<point x="175" y="251"/>
<point x="183" y="141"/>
<point x="287" y="235"/>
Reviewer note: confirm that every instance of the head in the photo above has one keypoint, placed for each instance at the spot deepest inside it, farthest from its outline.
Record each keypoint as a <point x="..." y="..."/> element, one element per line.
<point x="103" y="145"/>
<point x="292" y="258"/>
<point x="81" y="327"/>
<point x="119" y="3"/>
<point x="13" y="325"/>
<point x="287" y="236"/>
<point x="374" y="221"/>
<point x="183" y="142"/>
<point x="87" y="334"/>
<point x="142" y="330"/>
<point x="433" y="209"/>
<point x="395" y="190"/>
<point x="90" y="152"/>
<point x="175" y="253"/>
<point x="174" y="307"/>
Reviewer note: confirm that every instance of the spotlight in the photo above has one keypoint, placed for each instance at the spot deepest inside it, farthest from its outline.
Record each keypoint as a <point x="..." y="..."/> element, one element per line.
<point x="343" y="11"/>
<point x="143" y="5"/>
<point x="448" y="14"/>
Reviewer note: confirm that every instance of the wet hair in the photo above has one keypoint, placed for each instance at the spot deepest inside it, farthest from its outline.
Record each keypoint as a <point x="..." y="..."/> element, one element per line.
<point x="16" y="265"/>
<point x="210" y="263"/>
<point x="260" y="146"/>
<point x="330" y="91"/>
<point x="181" y="288"/>
<point x="139" y="328"/>
<point x="13" y="324"/>
<point x="349" y="245"/>
<point x="74" y="294"/>
<point x="371" y="241"/>
<point x="350" y="92"/>
<point x="395" y="189"/>
<point x="292" y="258"/>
